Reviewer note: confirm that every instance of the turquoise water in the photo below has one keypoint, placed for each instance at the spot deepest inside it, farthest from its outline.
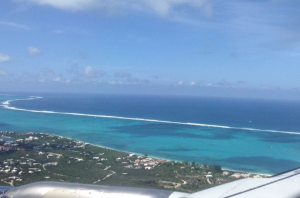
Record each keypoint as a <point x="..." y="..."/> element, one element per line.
<point x="265" y="150"/>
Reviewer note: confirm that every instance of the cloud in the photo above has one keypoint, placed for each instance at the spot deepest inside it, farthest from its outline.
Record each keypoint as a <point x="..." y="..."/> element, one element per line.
<point x="180" y="83"/>
<point x="122" y="75"/>
<point x="90" y="72"/>
<point x="164" y="7"/>
<point x="34" y="50"/>
<point x="4" y="58"/>
<point x="224" y="83"/>
<point x="192" y="83"/>
<point x="115" y="82"/>
<point x="84" y="74"/>
<point x="268" y="22"/>
<point x="161" y="7"/>
<point x="72" y="5"/>
<point x="15" y="25"/>
<point x="129" y="78"/>
<point x="61" y="80"/>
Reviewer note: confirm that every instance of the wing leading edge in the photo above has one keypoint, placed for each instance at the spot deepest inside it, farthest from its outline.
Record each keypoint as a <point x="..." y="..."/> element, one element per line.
<point x="285" y="185"/>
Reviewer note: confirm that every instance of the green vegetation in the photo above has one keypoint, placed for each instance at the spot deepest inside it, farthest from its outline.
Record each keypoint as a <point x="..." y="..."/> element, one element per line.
<point x="32" y="157"/>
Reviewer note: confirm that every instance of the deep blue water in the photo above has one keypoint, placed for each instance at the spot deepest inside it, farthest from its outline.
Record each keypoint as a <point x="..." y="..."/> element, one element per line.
<point x="267" y="148"/>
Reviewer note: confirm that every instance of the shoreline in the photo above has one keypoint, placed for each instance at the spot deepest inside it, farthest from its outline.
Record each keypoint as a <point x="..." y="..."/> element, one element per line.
<point x="143" y="154"/>
<point x="166" y="159"/>
<point x="152" y="156"/>
<point x="247" y="167"/>
<point x="42" y="152"/>
<point x="244" y="172"/>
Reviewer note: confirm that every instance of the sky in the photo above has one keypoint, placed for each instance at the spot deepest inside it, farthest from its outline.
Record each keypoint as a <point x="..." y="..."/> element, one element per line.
<point x="233" y="48"/>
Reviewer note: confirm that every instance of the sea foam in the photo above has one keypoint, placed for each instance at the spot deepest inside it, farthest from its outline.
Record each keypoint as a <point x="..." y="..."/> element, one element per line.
<point x="6" y="104"/>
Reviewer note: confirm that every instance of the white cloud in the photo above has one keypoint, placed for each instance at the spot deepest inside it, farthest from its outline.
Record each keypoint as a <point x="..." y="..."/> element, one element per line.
<point x="192" y="83"/>
<point x="122" y="74"/>
<point x="90" y="72"/>
<point x="115" y="82"/>
<point x="164" y="7"/>
<point x="4" y="58"/>
<point x="180" y="83"/>
<point x="34" y="50"/>
<point x="268" y="22"/>
<point x="58" y="79"/>
<point x="161" y="7"/>
<point x="73" y="5"/>
<point x="61" y="80"/>
<point x="15" y="25"/>
<point x="224" y="83"/>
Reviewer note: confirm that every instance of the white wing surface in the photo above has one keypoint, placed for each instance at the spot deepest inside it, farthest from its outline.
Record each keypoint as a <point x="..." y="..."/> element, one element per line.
<point x="285" y="185"/>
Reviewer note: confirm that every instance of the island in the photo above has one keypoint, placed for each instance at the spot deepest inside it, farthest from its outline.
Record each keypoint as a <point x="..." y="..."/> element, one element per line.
<point x="31" y="157"/>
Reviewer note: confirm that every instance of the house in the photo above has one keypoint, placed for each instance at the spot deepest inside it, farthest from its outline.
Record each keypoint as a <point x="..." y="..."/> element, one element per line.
<point x="37" y="148"/>
<point x="50" y="164"/>
<point x="3" y="148"/>
<point x="132" y="155"/>
<point x="118" y="159"/>
<point x="128" y="166"/>
<point x="208" y="176"/>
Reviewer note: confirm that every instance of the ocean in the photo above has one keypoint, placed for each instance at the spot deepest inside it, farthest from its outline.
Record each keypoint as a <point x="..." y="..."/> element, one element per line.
<point x="252" y="135"/>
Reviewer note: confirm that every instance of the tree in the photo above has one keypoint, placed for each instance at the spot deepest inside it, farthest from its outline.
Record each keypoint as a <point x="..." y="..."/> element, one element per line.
<point x="216" y="168"/>
<point x="193" y="164"/>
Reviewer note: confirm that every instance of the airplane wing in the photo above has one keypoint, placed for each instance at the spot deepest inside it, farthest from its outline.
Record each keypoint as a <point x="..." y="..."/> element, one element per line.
<point x="284" y="185"/>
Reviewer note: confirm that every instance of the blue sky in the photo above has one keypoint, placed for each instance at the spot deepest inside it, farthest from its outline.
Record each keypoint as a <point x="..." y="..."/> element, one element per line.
<point x="244" y="48"/>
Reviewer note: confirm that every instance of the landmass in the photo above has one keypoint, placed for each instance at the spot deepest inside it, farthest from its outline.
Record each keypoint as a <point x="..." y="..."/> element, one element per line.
<point x="32" y="157"/>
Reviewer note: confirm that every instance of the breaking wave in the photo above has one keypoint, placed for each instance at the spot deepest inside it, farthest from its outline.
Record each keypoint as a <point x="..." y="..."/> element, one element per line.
<point x="6" y="104"/>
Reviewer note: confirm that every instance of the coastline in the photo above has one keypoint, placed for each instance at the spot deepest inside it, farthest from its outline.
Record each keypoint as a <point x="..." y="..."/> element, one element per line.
<point x="45" y="156"/>
<point x="224" y="169"/>
<point x="167" y="159"/>
<point x="244" y="172"/>
<point x="194" y="149"/>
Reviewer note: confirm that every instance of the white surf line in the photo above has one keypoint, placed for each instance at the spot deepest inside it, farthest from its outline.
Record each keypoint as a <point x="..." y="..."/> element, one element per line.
<point x="7" y="103"/>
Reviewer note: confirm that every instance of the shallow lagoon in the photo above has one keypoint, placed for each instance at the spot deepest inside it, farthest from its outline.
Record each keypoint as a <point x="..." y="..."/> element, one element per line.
<point x="270" y="149"/>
